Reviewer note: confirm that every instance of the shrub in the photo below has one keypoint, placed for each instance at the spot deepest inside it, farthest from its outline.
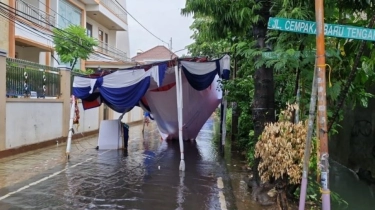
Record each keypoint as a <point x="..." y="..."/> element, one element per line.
<point x="281" y="148"/>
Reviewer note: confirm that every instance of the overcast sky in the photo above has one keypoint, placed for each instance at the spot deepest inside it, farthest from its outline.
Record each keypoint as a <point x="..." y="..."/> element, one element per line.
<point x="162" y="18"/>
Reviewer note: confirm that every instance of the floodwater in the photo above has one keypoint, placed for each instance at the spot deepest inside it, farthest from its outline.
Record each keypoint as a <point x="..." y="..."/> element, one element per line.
<point x="358" y="194"/>
<point x="146" y="177"/>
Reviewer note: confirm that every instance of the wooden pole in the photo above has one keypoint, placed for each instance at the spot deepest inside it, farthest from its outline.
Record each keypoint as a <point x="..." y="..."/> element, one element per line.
<point x="322" y="104"/>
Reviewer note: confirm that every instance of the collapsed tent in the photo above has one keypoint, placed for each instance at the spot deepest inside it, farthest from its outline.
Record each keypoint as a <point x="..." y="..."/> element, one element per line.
<point x="181" y="95"/>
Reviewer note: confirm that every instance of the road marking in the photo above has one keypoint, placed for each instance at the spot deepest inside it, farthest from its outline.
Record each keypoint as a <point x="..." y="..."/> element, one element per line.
<point x="220" y="185"/>
<point x="47" y="177"/>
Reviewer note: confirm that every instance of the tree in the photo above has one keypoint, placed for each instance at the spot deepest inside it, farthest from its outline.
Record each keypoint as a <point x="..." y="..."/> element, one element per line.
<point x="243" y="25"/>
<point x="72" y="44"/>
<point x="202" y="46"/>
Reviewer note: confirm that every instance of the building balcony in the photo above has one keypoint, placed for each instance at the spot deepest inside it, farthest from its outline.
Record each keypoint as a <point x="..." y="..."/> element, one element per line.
<point x="108" y="13"/>
<point x="101" y="60"/>
<point x="31" y="13"/>
<point x="32" y="30"/>
<point x="116" y="9"/>
<point x="111" y="51"/>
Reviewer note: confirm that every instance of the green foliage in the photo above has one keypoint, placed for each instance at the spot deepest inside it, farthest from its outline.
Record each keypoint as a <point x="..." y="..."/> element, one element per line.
<point x="84" y="72"/>
<point x="72" y="44"/>
<point x="228" y="120"/>
<point x="313" y="195"/>
<point x="227" y="26"/>
<point x="202" y="46"/>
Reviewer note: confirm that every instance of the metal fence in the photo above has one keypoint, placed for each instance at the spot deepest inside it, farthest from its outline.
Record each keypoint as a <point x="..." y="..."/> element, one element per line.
<point x="112" y="51"/>
<point x="26" y="79"/>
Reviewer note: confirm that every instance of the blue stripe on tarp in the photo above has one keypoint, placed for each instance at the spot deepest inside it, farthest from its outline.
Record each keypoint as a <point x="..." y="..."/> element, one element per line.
<point x="201" y="82"/>
<point x="119" y="99"/>
<point x="162" y="69"/>
<point x="82" y="93"/>
<point x="226" y="74"/>
<point x="124" y="98"/>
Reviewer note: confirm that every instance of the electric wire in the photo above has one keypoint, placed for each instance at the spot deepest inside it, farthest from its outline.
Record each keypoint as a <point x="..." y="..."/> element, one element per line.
<point x="68" y="21"/>
<point x="10" y="15"/>
<point x="141" y="23"/>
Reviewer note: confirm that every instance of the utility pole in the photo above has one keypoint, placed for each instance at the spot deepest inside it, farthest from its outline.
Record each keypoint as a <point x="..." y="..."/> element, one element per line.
<point x="170" y="47"/>
<point x="322" y="104"/>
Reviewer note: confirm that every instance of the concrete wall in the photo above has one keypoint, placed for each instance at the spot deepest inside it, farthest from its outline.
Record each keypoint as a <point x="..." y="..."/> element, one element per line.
<point x="122" y="42"/>
<point x="36" y="36"/>
<point x="135" y="115"/>
<point x="32" y="54"/>
<point x="354" y="145"/>
<point x="30" y="123"/>
<point x="123" y="36"/>
<point x="89" y="119"/>
<point x="35" y="121"/>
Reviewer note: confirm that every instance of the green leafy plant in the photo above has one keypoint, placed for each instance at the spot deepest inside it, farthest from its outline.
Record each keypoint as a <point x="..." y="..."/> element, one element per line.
<point x="229" y="26"/>
<point x="72" y="44"/>
<point x="313" y="195"/>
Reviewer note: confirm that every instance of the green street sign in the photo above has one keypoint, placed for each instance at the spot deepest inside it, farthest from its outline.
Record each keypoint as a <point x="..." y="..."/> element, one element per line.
<point x="297" y="54"/>
<point x="333" y="30"/>
<point x="274" y="55"/>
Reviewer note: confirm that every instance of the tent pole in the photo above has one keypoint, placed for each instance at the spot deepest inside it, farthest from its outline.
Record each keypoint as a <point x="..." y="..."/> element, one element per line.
<point x="120" y="131"/>
<point x="69" y="141"/>
<point x="179" y="113"/>
<point x="181" y="136"/>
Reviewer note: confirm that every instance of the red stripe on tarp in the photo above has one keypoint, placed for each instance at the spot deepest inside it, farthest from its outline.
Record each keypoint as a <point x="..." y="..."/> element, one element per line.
<point x="91" y="104"/>
<point x="144" y="101"/>
<point x="164" y="88"/>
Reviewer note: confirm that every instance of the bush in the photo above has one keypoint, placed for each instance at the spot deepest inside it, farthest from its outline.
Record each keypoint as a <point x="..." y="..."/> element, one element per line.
<point x="281" y="149"/>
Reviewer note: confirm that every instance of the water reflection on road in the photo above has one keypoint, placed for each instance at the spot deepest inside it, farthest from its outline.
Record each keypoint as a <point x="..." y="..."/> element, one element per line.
<point x="357" y="193"/>
<point x="147" y="177"/>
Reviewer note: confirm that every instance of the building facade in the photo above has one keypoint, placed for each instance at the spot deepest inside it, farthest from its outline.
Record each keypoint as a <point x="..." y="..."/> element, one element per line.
<point x="35" y="97"/>
<point x="30" y="31"/>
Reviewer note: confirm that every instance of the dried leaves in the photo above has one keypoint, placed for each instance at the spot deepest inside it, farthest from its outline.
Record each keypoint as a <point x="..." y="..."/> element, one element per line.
<point x="281" y="148"/>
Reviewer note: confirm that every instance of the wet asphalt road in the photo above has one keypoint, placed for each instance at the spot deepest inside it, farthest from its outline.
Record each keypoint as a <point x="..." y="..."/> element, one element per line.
<point x="146" y="177"/>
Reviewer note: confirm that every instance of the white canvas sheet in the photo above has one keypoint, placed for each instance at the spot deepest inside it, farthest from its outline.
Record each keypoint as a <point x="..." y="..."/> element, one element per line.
<point x="197" y="108"/>
<point x="109" y="135"/>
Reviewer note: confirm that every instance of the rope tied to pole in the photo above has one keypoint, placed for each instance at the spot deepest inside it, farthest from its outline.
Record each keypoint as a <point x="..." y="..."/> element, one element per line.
<point x="329" y="74"/>
<point x="323" y="191"/>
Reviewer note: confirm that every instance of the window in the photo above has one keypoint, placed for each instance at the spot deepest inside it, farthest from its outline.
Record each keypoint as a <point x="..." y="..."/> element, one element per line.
<point x="68" y="14"/>
<point x="89" y="29"/>
<point x="100" y="35"/>
<point x="106" y="42"/>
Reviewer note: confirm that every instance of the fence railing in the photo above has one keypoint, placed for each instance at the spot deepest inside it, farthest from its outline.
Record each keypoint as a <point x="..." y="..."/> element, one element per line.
<point x="111" y="51"/>
<point x="26" y="79"/>
<point x="34" y="14"/>
<point x="115" y="9"/>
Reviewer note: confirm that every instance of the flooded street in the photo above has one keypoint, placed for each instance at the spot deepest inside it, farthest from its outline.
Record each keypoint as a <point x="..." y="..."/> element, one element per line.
<point x="147" y="177"/>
